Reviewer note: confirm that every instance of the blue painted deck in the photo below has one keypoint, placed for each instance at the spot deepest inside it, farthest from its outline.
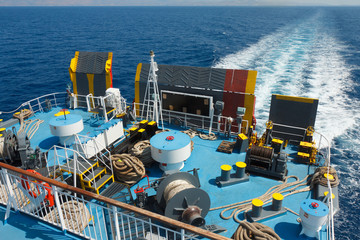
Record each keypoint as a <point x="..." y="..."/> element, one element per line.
<point x="204" y="156"/>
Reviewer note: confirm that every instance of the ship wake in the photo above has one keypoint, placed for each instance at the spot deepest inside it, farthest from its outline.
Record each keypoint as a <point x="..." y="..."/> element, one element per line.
<point x="304" y="59"/>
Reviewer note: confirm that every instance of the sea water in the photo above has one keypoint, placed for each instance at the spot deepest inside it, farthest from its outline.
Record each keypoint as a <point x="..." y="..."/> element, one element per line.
<point x="304" y="51"/>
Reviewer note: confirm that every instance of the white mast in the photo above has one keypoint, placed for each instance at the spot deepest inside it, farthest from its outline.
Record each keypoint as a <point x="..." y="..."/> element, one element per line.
<point x="152" y="102"/>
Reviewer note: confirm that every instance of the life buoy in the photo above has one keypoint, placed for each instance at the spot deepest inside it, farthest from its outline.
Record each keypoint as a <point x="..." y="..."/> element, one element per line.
<point x="25" y="183"/>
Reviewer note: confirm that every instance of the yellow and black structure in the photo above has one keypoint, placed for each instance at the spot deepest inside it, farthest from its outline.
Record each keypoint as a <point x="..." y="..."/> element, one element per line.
<point x="291" y="116"/>
<point x="91" y="72"/>
<point x="307" y="152"/>
<point x="235" y="88"/>
<point x="90" y="174"/>
<point x="242" y="142"/>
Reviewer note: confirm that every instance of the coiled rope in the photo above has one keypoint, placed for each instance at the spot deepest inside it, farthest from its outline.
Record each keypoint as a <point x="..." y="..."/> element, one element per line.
<point x="127" y="168"/>
<point x="162" y="130"/>
<point x="244" y="206"/>
<point x="319" y="177"/>
<point x="142" y="150"/>
<point x="20" y="197"/>
<point x="192" y="133"/>
<point x="76" y="215"/>
<point x="255" y="230"/>
<point x="175" y="187"/>
<point x="3" y="152"/>
<point x="24" y="113"/>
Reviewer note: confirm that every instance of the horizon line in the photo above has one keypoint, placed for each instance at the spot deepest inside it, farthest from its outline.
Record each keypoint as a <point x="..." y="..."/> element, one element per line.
<point x="179" y="5"/>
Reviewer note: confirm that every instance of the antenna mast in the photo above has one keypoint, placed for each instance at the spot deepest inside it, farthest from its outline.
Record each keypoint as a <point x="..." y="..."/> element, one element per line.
<point x="152" y="102"/>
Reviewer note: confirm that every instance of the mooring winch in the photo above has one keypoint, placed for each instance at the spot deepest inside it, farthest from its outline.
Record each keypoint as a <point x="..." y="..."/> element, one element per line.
<point x="181" y="198"/>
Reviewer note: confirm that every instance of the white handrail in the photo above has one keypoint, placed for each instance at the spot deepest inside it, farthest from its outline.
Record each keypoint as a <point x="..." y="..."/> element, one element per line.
<point x="37" y="101"/>
<point x="90" y="221"/>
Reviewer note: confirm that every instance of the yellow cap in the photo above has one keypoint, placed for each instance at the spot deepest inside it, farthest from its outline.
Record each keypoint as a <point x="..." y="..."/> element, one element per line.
<point x="242" y="136"/>
<point x="225" y="167"/>
<point x="278" y="196"/>
<point x="306" y="144"/>
<point x="332" y="195"/>
<point x="133" y="129"/>
<point x="257" y="202"/>
<point x="241" y="164"/>
<point x="279" y="141"/>
<point x="329" y="176"/>
<point x="304" y="155"/>
<point x="1" y="135"/>
<point x="152" y="123"/>
<point x="1" y="120"/>
<point x="2" y="129"/>
<point x="141" y="130"/>
<point x="144" y="121"/>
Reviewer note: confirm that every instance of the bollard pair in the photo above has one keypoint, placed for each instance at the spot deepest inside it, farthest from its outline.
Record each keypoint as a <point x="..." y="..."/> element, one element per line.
<point x="240" y="171"/>
<point x="227" y="179"/>
<point x="257" y="205"/>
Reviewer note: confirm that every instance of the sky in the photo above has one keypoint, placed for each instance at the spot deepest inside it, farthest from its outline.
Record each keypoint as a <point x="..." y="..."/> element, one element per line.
<point x="179" y="2"/>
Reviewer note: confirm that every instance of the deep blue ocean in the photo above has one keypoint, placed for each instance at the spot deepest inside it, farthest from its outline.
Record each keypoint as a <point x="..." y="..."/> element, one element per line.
<point x="304" y="51"/>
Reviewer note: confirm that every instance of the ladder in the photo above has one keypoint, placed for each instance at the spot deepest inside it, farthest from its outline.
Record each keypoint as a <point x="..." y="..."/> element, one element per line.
<point x="92" y="176"/>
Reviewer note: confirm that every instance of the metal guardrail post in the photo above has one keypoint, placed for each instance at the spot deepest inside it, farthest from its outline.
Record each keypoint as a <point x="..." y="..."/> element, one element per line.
<point x="117" y="204"/>
<point x="11" y="195"/>
<point x="55" y="99"/>
<point x="117" y="237"/>
<point x="58" y="208"/>
<point x="182" y="234"/>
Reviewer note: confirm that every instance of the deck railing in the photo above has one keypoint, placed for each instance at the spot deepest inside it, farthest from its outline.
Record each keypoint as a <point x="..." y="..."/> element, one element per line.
<point x="97" y="217"/>
<point x="43" y="102"/>
<point x="63" y="156"/>
<point x="220" y="125"/>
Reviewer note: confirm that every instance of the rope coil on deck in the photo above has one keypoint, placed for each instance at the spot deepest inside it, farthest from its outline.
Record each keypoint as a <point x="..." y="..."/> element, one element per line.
<point x="175" y="187"/>
<point x="3" y="152"/>
<point x="255" y="230"/>
<point x="24" y="113"/>
<point x="76" y="215"/>
<point x="127" y="168"/>
<point x="244" y="206"/>
<point x="20" y="197"/>
<point x="162" y="130"/>
<point x="142" y="150"/>
<point x="192" y="133"/>
<point x="319" y="177"/>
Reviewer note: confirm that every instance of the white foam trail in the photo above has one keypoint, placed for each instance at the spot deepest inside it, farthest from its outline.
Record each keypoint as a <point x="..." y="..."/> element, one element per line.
<point x="301" y="59"/>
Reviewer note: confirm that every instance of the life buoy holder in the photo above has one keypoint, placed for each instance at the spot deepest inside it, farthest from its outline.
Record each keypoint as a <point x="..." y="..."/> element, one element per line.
<point x="25" y="183"/>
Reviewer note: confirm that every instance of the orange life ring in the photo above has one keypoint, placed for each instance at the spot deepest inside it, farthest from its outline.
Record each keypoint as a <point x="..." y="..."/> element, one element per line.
<point x="49" y="198"/>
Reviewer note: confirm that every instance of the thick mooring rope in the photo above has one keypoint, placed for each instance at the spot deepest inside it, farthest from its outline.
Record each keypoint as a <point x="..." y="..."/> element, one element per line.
<point x="30" y="127"/>
<point x="2" y="148"/>
<point x="191" y="133"/>
<point x="127" y="168"/>
<point x="24" y="113"/>
<point x="76" y="215"/>
<point x="175" y="187"/>
<point x="244" y="206"/>
<point x="162" y="130"/>
<point x="20" y="197"/>
<point x="247" y="230"/>
<point x="142" y="150"/>
<point x="319" y="177"/>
